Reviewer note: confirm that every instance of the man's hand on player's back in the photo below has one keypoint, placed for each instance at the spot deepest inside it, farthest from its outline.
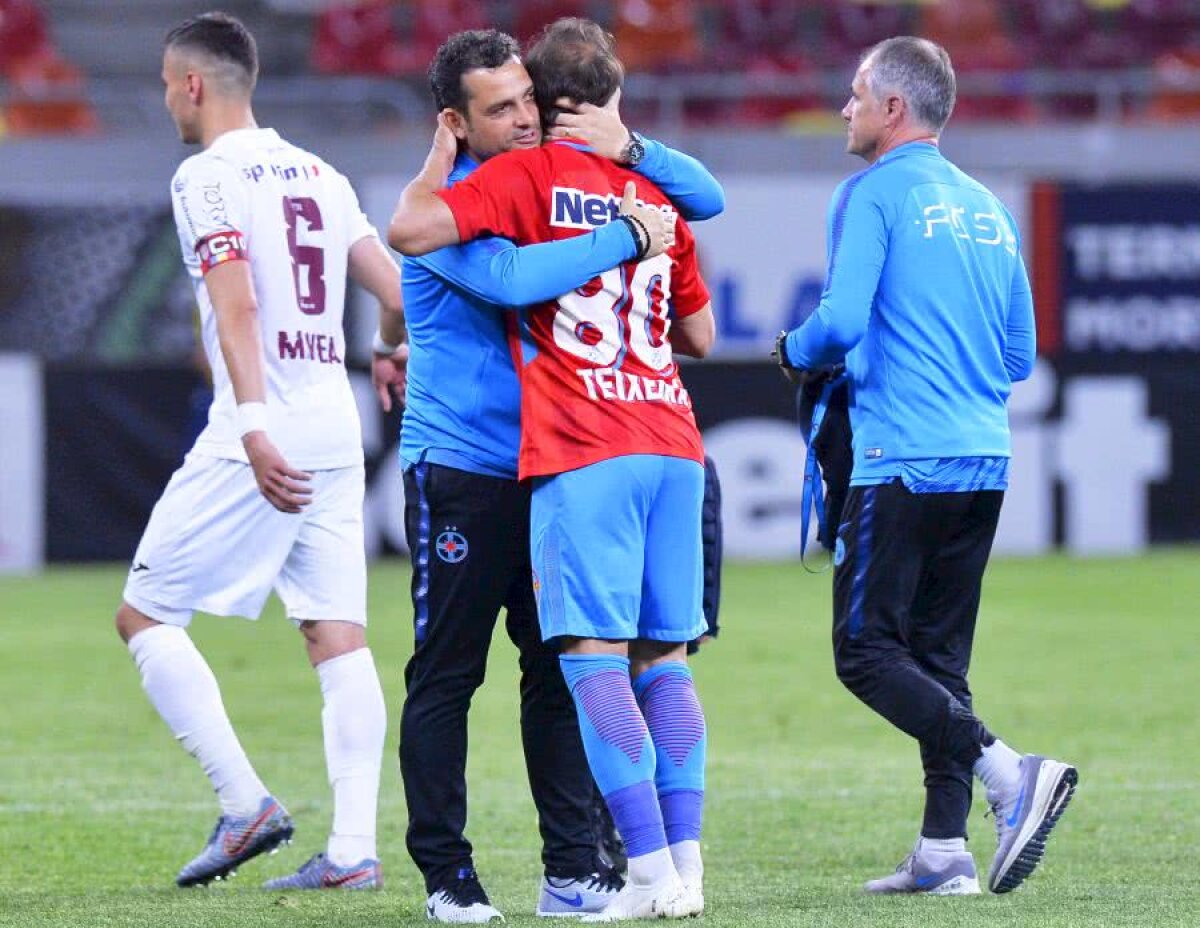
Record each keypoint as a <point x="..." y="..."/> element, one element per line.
<point x="283" y="487"/>
<point x="656" y="230"/>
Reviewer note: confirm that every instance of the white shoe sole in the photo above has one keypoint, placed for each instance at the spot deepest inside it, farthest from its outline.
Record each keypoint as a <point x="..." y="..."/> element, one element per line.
<point x="691" y="902"/>
<point x="475" y="915"/>
<point x="671" y="901"/>
<point x="959" y="886"/>
<point x="955" y="886"/>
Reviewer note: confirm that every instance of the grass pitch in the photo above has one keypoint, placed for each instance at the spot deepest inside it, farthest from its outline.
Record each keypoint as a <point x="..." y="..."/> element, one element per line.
<point x="809" y="792"/>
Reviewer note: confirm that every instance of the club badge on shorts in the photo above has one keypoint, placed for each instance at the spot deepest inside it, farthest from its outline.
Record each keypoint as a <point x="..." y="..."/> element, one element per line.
<point x="451" y="547"/>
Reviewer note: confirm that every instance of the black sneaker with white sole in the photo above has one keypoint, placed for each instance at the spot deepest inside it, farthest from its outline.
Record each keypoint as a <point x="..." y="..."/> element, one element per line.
<point x="462" y="902"/>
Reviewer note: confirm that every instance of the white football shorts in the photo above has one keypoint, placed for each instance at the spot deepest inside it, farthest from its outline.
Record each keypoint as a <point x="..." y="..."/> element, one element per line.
<point x="214" y="544"/>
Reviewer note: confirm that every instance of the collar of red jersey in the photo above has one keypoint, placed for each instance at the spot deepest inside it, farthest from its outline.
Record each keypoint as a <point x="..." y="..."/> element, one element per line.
<point x="571" y="143"/>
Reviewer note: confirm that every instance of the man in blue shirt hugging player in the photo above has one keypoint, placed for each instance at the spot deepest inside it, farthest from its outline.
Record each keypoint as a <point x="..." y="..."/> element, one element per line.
<point x="466" y="516"/>
<point x="928" y="303"/>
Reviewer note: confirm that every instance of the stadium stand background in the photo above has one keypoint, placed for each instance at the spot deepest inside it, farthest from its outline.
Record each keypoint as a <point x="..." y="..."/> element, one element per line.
<point x="1085" y="115"/>
<point x="702" y="62"/>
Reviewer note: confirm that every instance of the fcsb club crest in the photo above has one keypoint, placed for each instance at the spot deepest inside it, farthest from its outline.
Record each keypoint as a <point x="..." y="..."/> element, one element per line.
<point x="451" y="546"/>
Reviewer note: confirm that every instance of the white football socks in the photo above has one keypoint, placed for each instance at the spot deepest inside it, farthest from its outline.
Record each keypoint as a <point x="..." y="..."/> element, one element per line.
<point x="999" y="767"/>
<point x="941" y="845"/>
<point x="687" y="859"/>
<point x="182" y="688"/>
<point x="648" y="869"/>
<point x="355" y="724"/>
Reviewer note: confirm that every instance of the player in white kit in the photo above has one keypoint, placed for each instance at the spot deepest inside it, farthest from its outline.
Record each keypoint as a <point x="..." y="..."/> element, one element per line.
<point x="271" y="495"/>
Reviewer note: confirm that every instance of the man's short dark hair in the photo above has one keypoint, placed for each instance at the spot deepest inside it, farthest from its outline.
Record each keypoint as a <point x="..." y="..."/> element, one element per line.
<point x="573" y="58"/>
<point x="463" y="52"/>
<point x="222" y="37"/>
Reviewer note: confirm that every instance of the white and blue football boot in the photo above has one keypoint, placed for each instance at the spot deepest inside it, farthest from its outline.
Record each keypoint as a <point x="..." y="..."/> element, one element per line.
<point x="319" y="872"/>
<point x="237" y="840"/>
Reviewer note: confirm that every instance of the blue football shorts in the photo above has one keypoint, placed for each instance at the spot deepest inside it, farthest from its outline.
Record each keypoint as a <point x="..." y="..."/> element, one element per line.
<point x="617" y="549"/>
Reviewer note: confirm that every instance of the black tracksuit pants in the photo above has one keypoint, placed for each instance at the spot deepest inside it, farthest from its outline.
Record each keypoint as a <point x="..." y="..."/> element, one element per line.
<point x="907" y="577"/>
<point x="469" y="537"/>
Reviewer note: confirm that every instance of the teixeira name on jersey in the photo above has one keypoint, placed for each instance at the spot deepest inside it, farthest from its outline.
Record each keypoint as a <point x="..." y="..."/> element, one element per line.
<point x="610" y="383"/>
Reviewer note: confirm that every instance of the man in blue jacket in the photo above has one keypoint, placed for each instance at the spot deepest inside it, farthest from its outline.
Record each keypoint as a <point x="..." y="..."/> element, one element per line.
<point x="928" y="303"/>
<point x="467" y="518"/>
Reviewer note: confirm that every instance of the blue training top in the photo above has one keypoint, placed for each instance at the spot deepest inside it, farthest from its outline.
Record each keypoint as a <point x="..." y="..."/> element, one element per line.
<point x="463" y="406"/>
<point x="927" y="300"/>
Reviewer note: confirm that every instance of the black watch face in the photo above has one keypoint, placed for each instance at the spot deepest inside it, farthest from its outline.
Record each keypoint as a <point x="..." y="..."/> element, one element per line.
<point x="635" y="151"/>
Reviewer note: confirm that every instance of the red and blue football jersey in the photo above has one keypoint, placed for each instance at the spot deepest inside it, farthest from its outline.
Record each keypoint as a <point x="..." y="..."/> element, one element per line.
<point x="597" y="376"/>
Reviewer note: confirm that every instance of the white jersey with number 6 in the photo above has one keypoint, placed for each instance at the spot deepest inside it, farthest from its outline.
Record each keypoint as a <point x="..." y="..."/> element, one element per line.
<point x="253" y="196"/>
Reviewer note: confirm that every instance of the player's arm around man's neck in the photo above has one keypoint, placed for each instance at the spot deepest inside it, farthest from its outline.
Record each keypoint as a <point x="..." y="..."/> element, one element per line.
<point x="422" y="222"/>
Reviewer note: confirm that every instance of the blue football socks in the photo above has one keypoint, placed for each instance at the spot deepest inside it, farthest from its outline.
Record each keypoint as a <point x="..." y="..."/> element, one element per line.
<point x="667" y="697"/>
<point x="618" y="746"/>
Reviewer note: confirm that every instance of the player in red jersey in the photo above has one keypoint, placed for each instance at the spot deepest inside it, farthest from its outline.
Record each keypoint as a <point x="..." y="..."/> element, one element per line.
<point x="603" y="350"/>
<point x="616" y="460"/>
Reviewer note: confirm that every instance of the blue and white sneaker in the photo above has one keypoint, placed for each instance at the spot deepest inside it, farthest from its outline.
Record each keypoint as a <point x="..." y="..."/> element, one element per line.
<point x="236" y="840"/>
<point x="322" y="873"/>
<point x="936" y="874"/>
<point x="567" y="896"/>
<point x="1025" y="819"/>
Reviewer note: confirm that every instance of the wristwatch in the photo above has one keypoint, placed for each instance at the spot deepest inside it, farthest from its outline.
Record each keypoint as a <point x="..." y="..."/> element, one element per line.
<point x="634" y="151"/>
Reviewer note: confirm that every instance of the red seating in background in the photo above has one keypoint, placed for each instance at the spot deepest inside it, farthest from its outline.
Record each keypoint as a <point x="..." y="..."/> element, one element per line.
<point x="23" y="32"/>
<point x="1177" y="75"/>
<point x="46" y="92"/>
<point x="1079" y="34"/>
<point x="761" y="35"/>
<point x="974" y="34"/>
<point x="658" y="36"/>
<point x="998" y="46"/>
<point x="763" y="40"/>
<point x="1162" y="25"/>
<point x="849" y="29"/>
<point x="389" y="37"/>
<point x="531" y="16"/>
<point x="355" y="38"/>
